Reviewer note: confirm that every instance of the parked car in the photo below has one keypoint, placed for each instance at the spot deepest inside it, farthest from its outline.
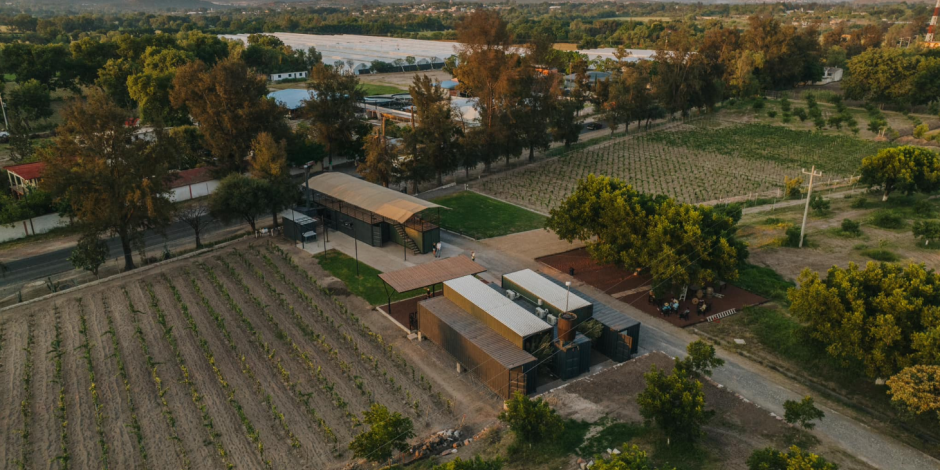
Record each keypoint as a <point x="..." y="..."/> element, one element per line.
<point x="4" y="137"/>
<point x="593" y="126"/>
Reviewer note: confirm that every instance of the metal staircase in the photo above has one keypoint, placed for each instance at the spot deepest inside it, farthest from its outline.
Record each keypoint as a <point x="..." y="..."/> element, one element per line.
<point x="409" y="243"/>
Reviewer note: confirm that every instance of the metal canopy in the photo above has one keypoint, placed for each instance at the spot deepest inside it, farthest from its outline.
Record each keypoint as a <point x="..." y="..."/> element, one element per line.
<point x="374" y="198"/>
<point x="429" y="274"/>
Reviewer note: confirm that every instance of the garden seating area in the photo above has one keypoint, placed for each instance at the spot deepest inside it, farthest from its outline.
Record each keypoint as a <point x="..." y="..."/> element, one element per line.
<point x="634" y="289"/>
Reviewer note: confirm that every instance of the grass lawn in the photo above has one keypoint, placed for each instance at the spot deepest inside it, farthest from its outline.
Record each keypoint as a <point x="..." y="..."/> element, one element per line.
<point x="376" y="89"/>
<point x="367" y="285"/>
<point x="478" y="216"/>
<point x="765" y="282"/>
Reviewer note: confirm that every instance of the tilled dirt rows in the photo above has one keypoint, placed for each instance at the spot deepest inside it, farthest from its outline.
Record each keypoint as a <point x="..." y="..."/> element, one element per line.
<point x="239" y="358"/>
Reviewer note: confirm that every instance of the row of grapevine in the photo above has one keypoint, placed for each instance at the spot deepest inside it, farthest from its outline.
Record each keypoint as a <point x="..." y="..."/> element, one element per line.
<point x="250" y="430"/>
<point x="166" y="411"/>
<point x="258" y="339"/>
<point x="246" y="368"/>
<point x="198" y="399"/>
<point x="61" y="411"/>
<point x="26" y="405"/>
<point x="118" y="358"/>
<point x="95" y="398"/>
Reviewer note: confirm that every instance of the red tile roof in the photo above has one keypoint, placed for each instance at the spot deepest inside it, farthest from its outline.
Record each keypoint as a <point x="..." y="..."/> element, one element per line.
<point x="27" y="171"/>
<point x="188" y="177"/>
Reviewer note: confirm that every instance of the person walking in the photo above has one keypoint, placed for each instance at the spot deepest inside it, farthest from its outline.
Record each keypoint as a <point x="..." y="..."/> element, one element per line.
<point x="439" y="246"/>
<point x="473" y="256"/>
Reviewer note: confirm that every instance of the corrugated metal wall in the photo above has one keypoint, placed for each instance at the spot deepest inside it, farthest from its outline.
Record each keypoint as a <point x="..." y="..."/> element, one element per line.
<point x="574" y="360"/>
<point x="484" y="317"/>
<point x="501" y="380"/>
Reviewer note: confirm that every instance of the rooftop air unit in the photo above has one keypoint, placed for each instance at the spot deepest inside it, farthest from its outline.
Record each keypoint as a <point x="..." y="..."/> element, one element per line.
<point x="512" y="295"/>
<point x="551" y="320"/>
<point x="541" y="312"/>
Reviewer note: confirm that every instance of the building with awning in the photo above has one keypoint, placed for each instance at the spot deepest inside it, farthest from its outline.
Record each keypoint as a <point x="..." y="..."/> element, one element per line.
<point x="374" y="214"/>
<point x="423" y="276"/>
<point x="24" y="177"/>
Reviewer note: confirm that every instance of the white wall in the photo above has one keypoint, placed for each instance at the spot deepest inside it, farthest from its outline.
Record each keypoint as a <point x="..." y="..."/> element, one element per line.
<point x="195" y="190"/>
<point x="23" y="228"/>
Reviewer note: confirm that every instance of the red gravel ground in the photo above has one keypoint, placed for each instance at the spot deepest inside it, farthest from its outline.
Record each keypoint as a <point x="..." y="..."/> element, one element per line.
<point x="633" y="289"/>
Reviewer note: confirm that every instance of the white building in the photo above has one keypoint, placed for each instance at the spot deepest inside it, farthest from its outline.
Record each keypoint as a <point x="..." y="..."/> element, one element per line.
<point x="278" y="77"/>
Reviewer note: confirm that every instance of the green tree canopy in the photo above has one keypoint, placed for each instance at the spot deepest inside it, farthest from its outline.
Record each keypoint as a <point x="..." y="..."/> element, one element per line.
<point x="268" y="163"/>
<point x="30" y="101"/>
<point x="928" y="230"/>
<point x="231" y="107"/>
<point x="239" y="197"/>
<point x="436" y="133"/>
<point x="701" y="359"/>
<point x="907" y="169"/>
<point x="678" y="243"/>
<point x="476" y="463"/>
<point x="334" y="110"/>
<point x="388" y="432"/>
<point x="802" y="412"/>
<point x="629" y="458"/>
<point x="884" y="317"/>
<point x="90" y="253"/>
<point x="794" y="459"/>
<point x="675" y="402"/>
<point x="531" y="420"/>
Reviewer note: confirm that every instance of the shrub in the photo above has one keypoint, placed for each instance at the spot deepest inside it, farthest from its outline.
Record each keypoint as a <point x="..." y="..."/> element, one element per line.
<point x="772" y="113"/>
<point x="887" y="219"/>
<point x="792" y="237"/>
<point x="876" y="124"/>
<point x="785" y="104"/>
<point x="388" y="432"/>
<point x="819" y="204"/>
<point x="860" y="203"/>
<point x="819" y="123"/>
<point x="792" y="187"/>
<point x="800" y="113"/>
<point x="928" y="230"/>
<point x="802" y="412"/>
<point x="880" y="254"/>
<point x="920" y="130"/>
<point x="786" y="118"/>
<point x="923" y="208"/>
<point x="758" y="104"/>
<point x="531" y="420"/>
<point x="851" y="227"/>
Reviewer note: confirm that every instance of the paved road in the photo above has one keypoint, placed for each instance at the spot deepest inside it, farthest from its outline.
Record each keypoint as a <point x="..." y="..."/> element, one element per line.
<point x="758" y="384"/>
<point x="178" y="235"/>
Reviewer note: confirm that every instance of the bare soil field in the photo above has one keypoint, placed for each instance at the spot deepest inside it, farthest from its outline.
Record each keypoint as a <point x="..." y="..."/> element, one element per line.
<point x="241" y="357"/>
<point x="737" y="429"/>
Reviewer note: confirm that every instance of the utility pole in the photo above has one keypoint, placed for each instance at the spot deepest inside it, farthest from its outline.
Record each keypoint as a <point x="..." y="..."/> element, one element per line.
<point x="6" y="124"/>
<point x="809" y="195"/>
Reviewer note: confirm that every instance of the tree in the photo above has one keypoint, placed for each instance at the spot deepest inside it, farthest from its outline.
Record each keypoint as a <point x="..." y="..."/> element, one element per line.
<point x="334" y="109"/>
<point x="388" y="432"/>
<point x="819" y="204"/>
<point x="112" y="78"/>
<point x="90" y="253"/>
<point x="533" y="116"/>
<point x="630" y="458"/>
<point x="802" y="412"/>
<point x="30" y="102"/>
<point x="908" y="169"/>
<point x="794" y="459"/>
<point x="531" y="420"/>
<point x="883" y="318"/>
<point x="379" y="165"/>
<point x="151" y="87"/>
<point x="490" y="72"/>
<point x="565" y="124"/>
<point x="239" y="197"/>
<point x="268" y="163"/>
<point x="675" y="403"/>
<point x="678" y="243"/>
<point x="476" y="463"/>
<point x="436" y="133"/>
<point x="116" y="183"/>
<point x="916" y="389"/>
<point x="701" y="359"/>
<point x="882" y="75"/>
<point x="197" y="218"/>
<point x="230" y="106"/>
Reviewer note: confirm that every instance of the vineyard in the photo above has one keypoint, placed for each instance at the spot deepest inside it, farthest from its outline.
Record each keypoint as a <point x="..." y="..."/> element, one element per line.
<point x="697" y="161"/>
<point x="238" y="359"/>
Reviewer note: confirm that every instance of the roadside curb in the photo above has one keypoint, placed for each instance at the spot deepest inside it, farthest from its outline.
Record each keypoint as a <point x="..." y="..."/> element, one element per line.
<point x="124" y="274"/>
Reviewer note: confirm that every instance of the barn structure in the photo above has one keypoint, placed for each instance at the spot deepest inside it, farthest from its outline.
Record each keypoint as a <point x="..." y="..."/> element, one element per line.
<point x="373" y="214"/>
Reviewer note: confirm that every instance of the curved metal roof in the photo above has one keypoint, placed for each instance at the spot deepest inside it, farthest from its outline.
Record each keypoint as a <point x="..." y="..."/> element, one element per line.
<point x="374" y="198"/>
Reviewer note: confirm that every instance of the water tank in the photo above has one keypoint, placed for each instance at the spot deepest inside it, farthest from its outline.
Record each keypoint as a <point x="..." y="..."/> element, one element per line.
<point x="566" y="328"/>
